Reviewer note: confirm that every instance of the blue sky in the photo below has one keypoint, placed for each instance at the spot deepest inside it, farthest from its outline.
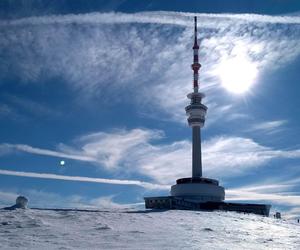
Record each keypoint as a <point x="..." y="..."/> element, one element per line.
<point x="103" y="87"/>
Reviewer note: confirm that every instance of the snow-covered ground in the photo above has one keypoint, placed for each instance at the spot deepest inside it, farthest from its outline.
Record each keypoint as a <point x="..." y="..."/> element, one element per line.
<point x="120" y="229"/>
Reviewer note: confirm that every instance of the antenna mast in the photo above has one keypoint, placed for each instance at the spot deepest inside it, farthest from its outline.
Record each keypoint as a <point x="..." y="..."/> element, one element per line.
<point x="196" y="65"/>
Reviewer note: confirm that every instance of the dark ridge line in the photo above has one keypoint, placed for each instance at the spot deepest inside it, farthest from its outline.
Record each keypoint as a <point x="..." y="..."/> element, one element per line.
<point x="90" y="210"/>
<point x="71" y="210"/>
<point x="98" y="210"/>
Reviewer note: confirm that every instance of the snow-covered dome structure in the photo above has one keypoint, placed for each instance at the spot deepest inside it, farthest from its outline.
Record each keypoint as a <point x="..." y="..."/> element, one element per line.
<point x="21" y="202"/>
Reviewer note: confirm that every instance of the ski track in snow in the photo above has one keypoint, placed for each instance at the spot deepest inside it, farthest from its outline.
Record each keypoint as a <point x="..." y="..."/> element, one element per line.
<point x="120" y="229"/>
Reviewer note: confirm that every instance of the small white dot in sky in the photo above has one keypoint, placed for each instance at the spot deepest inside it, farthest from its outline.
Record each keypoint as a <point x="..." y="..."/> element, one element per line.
<point x="62" y="163"/>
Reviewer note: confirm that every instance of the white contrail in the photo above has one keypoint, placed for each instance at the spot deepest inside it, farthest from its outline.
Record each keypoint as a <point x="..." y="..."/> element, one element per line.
<point x="47" y="152"/>
<point x="143" y="184"/>
<point x="159" y="17"/>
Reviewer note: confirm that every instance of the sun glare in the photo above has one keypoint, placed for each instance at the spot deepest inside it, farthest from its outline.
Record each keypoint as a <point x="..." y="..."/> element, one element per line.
<point x="237" y="74"/>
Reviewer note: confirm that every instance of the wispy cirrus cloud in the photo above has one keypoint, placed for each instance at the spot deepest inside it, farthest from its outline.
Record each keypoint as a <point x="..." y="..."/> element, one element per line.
<point x="137" y="151"/>
<point x="109" y="149"/>
<point x="159" y="17"/>
<point x="155" y="44"/>
<point x="269" y="127"/>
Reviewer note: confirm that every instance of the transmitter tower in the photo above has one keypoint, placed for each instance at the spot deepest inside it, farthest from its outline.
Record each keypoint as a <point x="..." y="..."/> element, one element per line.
<point x="198" y="192"/>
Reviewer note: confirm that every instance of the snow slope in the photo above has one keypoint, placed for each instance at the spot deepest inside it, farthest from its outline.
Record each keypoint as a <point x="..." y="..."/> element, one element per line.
<point x="120" y="229"/>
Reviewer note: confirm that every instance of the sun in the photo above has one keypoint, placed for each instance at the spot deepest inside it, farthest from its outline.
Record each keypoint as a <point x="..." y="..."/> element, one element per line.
<point x="237" y="74"/>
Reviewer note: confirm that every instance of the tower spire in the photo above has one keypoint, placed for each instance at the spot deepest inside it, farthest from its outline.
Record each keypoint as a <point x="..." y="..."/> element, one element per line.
<point x="196" y="65"/>
<point x="195" y="33"/>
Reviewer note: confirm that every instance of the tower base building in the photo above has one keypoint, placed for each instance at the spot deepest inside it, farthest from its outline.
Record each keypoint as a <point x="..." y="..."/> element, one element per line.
<point x="198" y="192"/>
<point x="184" y="203"/>
<point x="198" y="188"/>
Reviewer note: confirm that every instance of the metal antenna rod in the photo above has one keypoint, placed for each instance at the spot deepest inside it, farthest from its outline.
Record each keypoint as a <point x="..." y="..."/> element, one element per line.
<point x="196" y="65"/>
